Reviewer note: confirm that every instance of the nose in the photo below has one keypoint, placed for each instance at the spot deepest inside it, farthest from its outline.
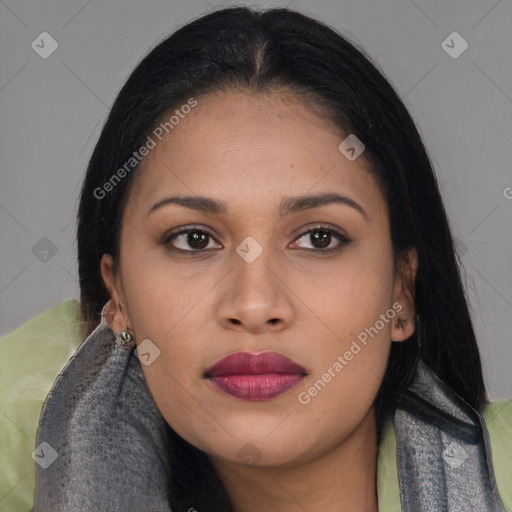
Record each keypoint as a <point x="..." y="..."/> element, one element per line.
<point x="256" y="297"/>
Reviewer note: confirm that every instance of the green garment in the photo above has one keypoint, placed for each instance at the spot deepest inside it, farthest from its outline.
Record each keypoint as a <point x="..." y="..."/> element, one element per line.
<point x="32" y="356"/>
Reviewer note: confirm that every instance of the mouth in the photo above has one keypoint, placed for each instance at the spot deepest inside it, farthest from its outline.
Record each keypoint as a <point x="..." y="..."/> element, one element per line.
<point x="255" y="377"/>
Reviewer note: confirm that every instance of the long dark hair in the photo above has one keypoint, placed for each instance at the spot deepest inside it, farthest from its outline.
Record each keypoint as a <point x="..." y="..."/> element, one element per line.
<point x="263" y="51"/>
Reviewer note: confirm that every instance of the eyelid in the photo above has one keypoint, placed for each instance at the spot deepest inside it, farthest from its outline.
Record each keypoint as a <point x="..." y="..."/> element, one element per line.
<point x="318" y="226"/>
<point x="187" y="227"/>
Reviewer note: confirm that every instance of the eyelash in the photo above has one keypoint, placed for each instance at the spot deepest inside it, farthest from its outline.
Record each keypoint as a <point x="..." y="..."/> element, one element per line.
<point x="343" y="239"/>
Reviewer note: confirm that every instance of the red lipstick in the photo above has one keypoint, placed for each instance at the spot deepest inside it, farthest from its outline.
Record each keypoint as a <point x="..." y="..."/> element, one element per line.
<point x="255" y="377"/>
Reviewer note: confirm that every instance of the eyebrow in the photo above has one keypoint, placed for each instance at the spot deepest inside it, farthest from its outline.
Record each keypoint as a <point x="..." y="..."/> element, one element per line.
<point x="289" y="205"/>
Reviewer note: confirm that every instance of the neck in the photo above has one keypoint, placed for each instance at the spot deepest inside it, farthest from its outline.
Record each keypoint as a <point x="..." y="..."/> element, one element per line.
<point x="342" y="479"/>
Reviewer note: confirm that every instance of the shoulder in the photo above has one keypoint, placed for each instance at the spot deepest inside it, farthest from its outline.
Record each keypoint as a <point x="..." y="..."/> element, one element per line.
<point x="498" y="413"/>
<point x="31" y="357"/>
<point x="498" y="419"/>
<point x="35" y="350"/>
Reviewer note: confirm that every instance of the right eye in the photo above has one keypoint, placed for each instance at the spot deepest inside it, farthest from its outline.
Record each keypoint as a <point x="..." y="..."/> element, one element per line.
<point x="188" y="240"/>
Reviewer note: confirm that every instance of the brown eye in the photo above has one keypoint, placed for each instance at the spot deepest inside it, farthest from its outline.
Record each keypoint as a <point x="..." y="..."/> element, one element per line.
<point x="189" y="240"/>
<point x="322" y="239"/>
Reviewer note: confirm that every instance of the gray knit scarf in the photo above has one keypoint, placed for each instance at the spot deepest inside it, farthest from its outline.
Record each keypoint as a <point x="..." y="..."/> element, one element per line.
<point x="103" y="444"/>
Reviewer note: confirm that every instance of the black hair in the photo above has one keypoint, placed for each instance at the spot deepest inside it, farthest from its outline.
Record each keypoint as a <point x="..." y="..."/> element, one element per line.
<point x="260" y="52"/>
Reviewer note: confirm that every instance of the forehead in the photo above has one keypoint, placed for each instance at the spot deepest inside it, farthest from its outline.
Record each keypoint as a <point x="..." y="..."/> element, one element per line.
<point x="252" y="147"/>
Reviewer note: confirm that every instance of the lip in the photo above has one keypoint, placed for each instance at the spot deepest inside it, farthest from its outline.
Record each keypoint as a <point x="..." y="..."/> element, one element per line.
<point x="255" y="377"/>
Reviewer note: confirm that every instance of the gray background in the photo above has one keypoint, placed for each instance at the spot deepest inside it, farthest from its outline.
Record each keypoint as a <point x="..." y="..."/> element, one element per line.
<point x="52" y="110"/>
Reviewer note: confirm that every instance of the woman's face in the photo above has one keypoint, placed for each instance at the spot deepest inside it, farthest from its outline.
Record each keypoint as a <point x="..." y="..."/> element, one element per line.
<point x="248" y="277"/>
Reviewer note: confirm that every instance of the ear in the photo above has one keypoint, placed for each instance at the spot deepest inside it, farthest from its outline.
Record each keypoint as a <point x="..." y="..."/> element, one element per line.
<point x="407" y="267"/>
<point x="115" y="310"/>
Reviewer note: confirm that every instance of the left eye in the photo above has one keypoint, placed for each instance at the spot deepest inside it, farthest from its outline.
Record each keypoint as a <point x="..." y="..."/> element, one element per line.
<point x="321" y="238"/>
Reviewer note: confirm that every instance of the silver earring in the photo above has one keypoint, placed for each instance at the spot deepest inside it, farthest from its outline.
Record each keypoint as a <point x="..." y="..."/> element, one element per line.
<point x="126" y="338"/>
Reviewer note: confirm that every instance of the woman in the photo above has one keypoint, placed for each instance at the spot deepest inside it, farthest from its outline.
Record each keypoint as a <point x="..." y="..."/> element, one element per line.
<point x="270" y="293"/>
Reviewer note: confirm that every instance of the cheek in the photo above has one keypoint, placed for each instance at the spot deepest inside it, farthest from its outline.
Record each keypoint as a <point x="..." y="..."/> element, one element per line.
<point x="349" y="297"/>
<point x="336" y="405"/>
<point x="354" y="315"/>
<point x="169" y="309"/>
<point x="163" y="295"/>
<point x="341" y="389"/>
<point x="175" y="397"/>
